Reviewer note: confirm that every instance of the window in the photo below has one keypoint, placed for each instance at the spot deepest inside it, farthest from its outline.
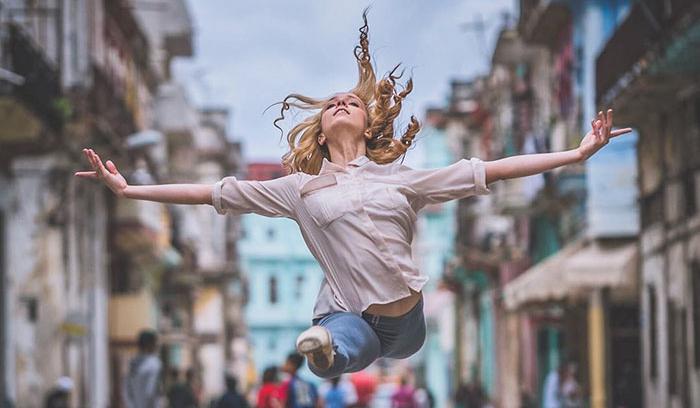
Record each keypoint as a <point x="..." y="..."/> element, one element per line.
<point x="689" y="193"/>
<point x="652" y="208"/>
<point x="672" y="351"/>
<point x="2" y="303"/>
<point x="677" y="384"/>
<point x="299" y="289"/>
<point x="651" y="333"/>
<point x="273" y="290"/>
<point x="695" y="285"/>
<point x="31" y="308"/>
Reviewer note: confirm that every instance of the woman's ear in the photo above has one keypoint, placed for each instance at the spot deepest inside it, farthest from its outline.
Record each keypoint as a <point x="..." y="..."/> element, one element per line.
<point x="321" y="139"/>
<point x="368" y="134"/>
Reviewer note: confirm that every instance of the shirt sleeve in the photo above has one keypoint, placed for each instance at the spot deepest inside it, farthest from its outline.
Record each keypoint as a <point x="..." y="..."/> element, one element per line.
<point x="273" y="198"/>
<point x="151" y="386"/>
<point x="464" y="178"/>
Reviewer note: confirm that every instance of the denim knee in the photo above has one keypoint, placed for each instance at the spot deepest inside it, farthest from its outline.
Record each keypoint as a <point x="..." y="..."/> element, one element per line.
<point x="355" y="343"/>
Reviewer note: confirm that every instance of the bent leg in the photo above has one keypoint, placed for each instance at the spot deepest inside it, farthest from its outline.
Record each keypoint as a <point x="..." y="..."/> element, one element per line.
<point x="402" y="336"/>
<point x="355" y="344"/>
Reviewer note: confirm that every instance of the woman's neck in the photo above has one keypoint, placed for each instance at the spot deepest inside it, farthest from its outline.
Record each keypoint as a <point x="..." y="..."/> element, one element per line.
<point x="343" y="153"/>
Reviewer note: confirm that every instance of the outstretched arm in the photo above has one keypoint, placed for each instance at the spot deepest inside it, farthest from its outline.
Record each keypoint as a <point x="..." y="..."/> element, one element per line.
<point x="164" y="193"/>
<point x="529" y="164"/>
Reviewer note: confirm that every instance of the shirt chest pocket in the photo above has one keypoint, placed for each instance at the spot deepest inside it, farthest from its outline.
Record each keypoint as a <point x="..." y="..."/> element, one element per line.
<point x="389" y="196"/>
<point x="326" y="200"/>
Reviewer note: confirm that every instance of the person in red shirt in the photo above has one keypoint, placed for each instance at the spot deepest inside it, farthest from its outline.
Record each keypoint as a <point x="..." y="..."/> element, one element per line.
<point x="269" y="393"/>
<point x="365" y="385"/>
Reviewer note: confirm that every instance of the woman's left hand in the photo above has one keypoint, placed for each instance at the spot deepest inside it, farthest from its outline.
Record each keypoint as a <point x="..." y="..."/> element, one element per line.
<point x="600" y="134"/>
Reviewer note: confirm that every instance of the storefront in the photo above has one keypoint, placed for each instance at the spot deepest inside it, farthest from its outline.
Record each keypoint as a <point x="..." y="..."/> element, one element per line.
<point x="578" y="303"/>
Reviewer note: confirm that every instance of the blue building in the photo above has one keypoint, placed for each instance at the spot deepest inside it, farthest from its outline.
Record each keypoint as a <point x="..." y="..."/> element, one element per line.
<point x="434" y="249"/>
<point x="283" y="280"/>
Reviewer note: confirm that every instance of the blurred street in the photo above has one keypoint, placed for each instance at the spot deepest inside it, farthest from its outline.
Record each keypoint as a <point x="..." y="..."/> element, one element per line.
<point x="578" y="287"/>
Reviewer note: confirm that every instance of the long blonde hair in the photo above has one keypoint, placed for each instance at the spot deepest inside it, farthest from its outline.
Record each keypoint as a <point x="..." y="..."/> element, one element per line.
<point x="383" y="104"/>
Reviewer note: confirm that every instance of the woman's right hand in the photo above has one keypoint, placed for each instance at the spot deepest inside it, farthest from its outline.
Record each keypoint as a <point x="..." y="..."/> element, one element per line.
<point x="107" y="174"/>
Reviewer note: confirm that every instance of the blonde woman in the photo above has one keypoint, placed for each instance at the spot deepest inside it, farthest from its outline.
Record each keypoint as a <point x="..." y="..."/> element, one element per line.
<point x="356" y="206"/>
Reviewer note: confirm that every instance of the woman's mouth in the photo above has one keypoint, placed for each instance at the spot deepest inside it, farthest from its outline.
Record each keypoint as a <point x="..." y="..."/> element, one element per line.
<point x="341" y="109"/>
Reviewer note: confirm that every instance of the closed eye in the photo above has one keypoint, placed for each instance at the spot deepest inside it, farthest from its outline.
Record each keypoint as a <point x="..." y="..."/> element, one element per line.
<point x="355" y="104"/>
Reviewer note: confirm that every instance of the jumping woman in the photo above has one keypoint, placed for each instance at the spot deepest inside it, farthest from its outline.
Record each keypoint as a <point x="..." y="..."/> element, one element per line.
<point x="356" y="206"/>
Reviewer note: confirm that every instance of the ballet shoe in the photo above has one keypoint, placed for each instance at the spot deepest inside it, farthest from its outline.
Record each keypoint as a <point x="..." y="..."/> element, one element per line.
<point x="316" y="345"/>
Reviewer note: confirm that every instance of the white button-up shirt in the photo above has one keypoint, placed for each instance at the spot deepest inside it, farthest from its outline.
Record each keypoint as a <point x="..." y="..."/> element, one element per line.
<point x="357" y="221"/>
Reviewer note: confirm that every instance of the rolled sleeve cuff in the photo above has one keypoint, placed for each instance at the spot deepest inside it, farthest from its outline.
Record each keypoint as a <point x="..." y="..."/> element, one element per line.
<point x="216" y="197"/>
<point x="480" y="187"/>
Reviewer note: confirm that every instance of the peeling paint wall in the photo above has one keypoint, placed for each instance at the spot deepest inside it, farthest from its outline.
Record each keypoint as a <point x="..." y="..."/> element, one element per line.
<point x="55" y="285"/>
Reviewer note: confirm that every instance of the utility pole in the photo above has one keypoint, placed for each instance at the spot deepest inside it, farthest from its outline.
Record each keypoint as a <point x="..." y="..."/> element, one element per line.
<point x="477" y="26"/>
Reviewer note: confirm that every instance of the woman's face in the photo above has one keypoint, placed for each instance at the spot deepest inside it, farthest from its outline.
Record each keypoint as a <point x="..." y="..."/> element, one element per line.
<point x="343" y="112"/>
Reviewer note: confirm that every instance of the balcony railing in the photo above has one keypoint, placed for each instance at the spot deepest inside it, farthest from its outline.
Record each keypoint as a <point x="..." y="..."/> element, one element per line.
<point x="515" y="195"/>
<point x="543" y="21"/>
<point x="649" y="25"/>
<point x="39" y="88"/>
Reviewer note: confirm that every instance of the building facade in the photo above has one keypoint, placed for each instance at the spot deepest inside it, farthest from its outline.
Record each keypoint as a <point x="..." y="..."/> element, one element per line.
<point x="55" y="229"/>
<point x="283" y="279"/>
<point x="433" y="252"/>
<point x="527" y="274"/>
<point x="652" y="82"/>
<point x="82" y="272"/>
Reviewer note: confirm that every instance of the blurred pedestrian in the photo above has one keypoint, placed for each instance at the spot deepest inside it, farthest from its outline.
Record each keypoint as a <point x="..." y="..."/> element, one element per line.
<point x="269" y="392"/>
<point x="331" y="395"/>
<point x="551" y="393"/>
<point x="365" y="385"/>
<point x="232" y="398"/>
<point x="571" y="393"/>
<point x="297" y="392"/>
<point x="355" y="203"/>
<point x="181" y="393"/>
<point x="404" y="396"/>
<point x="59" y="395"/>
<point x="142" y="382"/>
<point x="424" y="398"/>
<point x="471" y="395"/>
<point x="338" y="392"/>
<point x="527" y="400"/>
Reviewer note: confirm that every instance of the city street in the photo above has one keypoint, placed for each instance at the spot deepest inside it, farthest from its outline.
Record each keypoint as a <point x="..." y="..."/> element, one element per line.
<point x="509" y="218"/>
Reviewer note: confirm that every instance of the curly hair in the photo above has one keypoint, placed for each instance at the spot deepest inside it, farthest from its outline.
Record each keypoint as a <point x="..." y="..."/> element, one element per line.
<point x="383" y="103"/>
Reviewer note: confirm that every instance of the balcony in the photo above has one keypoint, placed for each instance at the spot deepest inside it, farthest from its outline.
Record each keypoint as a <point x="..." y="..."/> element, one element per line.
<point x="175" y="115"/>
<point x="542" y="23"/>
<point x="514" y="196"/>
<point x="130" y="313"/>
<point x="142" y="234"/>
<point x="651" y="56"/>
<point x="178" y="39"/>
<point x="109" y="107"/>
<point x="30" y="101"/>
<point x="510" y="49"/>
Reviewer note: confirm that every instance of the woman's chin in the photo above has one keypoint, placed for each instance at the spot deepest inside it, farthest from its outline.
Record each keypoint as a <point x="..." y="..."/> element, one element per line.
<point x="344" y="125"/>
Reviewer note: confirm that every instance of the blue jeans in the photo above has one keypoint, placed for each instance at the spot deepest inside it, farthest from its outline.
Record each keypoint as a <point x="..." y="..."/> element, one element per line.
<point x="359" y="340"/>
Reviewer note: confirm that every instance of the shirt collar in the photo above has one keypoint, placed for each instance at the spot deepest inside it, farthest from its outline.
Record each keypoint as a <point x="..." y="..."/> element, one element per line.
<point x="329" y="167"/>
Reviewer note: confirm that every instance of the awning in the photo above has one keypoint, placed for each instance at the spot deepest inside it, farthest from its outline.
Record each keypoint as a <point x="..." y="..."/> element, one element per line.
<point x="603" y="265"/>
<point x="580" y="266"/>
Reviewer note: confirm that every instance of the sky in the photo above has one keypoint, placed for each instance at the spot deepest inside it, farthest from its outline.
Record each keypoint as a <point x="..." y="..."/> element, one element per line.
<point x="251" y="54"/>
